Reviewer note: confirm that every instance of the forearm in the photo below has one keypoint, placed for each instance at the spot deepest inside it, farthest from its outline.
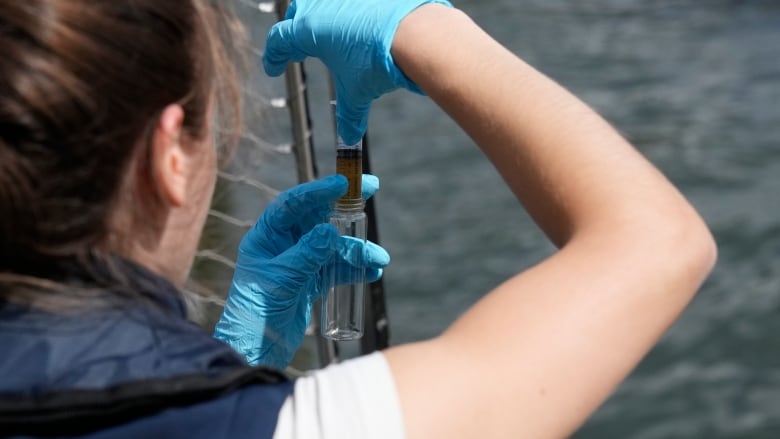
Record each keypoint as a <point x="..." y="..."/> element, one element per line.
<point x="542" y="351"/>
<point x="568" y="167"/>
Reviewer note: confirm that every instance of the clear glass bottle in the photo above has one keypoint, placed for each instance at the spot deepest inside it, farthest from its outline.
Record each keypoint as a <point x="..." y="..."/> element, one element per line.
<point x="342" y="308"/>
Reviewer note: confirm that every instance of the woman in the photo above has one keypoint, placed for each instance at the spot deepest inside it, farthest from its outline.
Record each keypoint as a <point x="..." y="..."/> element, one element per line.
<point x="106" y="170"/>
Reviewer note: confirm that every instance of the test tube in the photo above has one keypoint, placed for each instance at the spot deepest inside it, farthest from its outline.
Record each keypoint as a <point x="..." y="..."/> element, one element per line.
<point x="342" y="307"/>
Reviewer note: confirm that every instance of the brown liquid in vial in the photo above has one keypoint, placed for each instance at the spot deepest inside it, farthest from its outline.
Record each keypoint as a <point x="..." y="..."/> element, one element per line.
<point x="349" y="163"/>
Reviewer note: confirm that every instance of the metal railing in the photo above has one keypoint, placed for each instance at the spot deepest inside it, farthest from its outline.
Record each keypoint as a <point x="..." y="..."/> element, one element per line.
<point x="280" y="127"/>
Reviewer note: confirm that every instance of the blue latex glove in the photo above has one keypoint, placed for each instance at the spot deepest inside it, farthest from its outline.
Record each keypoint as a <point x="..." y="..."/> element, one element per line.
<point x="278" y="271"/>
<point x="353" y="38"/>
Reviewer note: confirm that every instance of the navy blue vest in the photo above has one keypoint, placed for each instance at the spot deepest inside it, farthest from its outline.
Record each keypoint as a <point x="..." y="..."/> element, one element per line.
<point x="130" y="368"/>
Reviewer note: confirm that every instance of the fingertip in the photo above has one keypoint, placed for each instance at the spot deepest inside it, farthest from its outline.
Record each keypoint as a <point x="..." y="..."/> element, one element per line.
<point x="278" y="52"/>
<point x="371" y="179"/>
<point x="375" y="255"/>
<point x="370" y="185"/>
<point x="351" y="118"/>
<point x="273" y="69"/>
<point x="351" y="132"/>
<point x="373" y="274"/>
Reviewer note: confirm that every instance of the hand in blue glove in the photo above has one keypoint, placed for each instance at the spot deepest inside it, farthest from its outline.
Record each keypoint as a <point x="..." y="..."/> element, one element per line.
<point x="278" y="271"/>
<point x="353" y="38"/>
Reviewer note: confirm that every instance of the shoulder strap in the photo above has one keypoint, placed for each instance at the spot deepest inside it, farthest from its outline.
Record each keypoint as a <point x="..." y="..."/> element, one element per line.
<point x="78" y="412"/>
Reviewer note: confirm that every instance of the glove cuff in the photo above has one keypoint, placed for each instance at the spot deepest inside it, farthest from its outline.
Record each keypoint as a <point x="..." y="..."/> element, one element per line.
<point x="398" y="78"/>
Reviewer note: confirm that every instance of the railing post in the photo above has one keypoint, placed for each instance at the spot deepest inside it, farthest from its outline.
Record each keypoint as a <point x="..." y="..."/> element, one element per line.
<point x="303" y="147"/>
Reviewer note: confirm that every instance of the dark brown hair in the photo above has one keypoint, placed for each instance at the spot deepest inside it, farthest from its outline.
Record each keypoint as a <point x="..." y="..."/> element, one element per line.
<point x="82" y="83"/>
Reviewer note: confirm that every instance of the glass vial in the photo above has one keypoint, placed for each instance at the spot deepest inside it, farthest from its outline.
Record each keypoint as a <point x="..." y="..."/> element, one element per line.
<point x="342" y="307"/>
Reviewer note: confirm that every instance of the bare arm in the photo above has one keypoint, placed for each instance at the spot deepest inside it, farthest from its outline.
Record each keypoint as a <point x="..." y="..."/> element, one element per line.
<point x="537" y="355"/>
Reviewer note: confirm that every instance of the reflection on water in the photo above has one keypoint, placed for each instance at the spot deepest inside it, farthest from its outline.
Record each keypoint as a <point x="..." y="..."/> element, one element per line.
<point x="695" y="86"/>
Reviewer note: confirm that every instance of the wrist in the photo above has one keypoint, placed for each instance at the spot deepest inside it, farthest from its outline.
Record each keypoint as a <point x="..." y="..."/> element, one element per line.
<point x="422" y="37"/>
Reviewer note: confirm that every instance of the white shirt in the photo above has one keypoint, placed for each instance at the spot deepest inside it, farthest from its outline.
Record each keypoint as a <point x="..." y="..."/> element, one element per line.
<point x="355" y="399"/>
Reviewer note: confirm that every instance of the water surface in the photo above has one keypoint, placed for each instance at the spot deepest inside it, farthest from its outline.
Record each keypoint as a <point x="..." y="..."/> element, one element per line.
<point x="695" y="85"/>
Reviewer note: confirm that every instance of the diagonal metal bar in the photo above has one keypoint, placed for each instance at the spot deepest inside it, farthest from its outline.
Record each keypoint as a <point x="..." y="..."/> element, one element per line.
<point x="242" y="179"/>
<point x="231" y="220"/>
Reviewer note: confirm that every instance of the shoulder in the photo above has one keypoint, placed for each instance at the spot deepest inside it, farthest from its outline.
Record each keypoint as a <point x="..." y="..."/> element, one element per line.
<point x="354" y="399"/>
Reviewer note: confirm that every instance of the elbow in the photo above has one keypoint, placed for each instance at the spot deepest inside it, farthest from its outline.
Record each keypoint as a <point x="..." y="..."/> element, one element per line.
<point x="704" y="253"/>
<point x="666" y="247"/>
<point x="688" y="251"/>
<point x="707" y="255"/>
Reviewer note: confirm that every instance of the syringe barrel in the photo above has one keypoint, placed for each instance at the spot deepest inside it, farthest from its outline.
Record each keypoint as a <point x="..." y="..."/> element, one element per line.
<point x="349" y="163"/>
<point x="342" y="306"/>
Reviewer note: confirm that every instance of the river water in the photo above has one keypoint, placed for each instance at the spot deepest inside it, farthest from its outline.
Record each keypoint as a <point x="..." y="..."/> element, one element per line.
<point x="695" y="85"/>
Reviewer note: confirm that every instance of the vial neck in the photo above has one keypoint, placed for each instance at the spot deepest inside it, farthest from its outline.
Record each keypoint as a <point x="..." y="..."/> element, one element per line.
<point x="349" y="205"/>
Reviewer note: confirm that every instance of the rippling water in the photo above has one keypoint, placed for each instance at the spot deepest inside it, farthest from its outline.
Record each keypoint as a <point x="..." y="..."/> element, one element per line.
<point x="695" y="85"/>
